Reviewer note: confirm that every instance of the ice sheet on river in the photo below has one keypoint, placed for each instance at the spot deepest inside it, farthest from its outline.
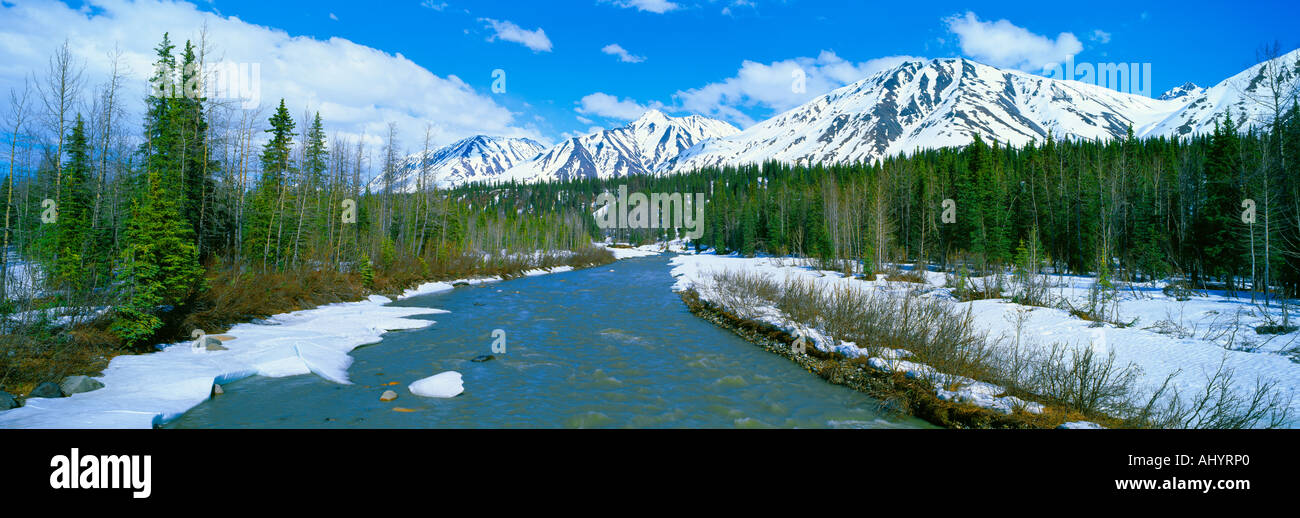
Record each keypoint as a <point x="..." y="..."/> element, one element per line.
<point x="442" y="385"/>
<point x="142" y="390"/>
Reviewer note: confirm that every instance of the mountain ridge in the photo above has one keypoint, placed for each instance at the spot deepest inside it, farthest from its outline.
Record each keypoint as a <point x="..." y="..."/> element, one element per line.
<point x="917" y="104"/>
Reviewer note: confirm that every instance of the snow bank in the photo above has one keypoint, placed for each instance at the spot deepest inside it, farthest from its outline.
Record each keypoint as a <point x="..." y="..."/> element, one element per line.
<point x="679" y="246"/>
<point x="143" y="390"/>
<point x="442" y="385"/>
<point x="1213" y="317"/>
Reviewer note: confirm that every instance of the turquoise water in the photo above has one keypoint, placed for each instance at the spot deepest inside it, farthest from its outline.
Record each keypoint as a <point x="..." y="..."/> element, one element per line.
<point x="610" y="346"/>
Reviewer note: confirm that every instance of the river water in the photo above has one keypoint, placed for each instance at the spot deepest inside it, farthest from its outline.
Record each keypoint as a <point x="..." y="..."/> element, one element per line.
<point x="610" y="346"/>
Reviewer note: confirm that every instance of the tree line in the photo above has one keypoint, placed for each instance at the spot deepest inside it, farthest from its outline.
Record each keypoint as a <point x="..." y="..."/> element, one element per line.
<point x="1220" y="209"/>
<point x="106" y="221"/>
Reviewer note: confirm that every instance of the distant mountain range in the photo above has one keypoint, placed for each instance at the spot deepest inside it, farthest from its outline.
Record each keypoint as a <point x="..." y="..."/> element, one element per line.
<point x="475" y="159"/>
<point x="915" y="105"/>
<point x="647" y="145"/>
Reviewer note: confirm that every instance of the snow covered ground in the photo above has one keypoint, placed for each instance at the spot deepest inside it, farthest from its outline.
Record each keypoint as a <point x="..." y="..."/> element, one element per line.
<point x="676" y="246"/>
<point x="1206" y="330"/>
<point x="143" y="390"/>
<point x="24" y="278"/>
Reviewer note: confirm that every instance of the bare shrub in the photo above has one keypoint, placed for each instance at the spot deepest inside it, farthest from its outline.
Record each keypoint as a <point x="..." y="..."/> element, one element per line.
<point x="915" y="275"/>
<point x="1219" y="405"/>
<point x="1082" y="380"/>
<point x="938" y="334"/>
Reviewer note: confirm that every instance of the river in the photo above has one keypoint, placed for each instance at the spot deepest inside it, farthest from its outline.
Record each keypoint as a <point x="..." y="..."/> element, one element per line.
<point x="610" y="346"/>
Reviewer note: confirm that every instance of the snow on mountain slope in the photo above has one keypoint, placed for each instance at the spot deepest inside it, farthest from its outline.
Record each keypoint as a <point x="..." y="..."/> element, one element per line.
<point x="928" y="104"/>
<point x="945" y="102"/>
<point x="918" y="104"/>
<point x="472" y="159"/>
<point x="645" y="146"/>
<point x="1184" y="90"/>
<point x="1248" y="92"/>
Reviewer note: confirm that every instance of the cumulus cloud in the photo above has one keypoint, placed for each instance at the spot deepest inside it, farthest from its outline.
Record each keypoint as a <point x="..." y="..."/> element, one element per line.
<point x="776" y="86"/>
<point x="357" y="89"/>
<point x="652" y="6"/>
<point x="507" y="31"/>
<point x="436" y="6"/>
<point x="615" y="49"/>
<point x="1004" y="44"/>
<point x="1100" y="36"/>
<point x="604" y="105"/>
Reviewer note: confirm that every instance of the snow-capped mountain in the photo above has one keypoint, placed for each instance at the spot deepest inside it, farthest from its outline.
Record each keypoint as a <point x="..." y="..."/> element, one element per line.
<point x="1248" y="94"/>
<point x="644" y="146"/>
<point x="1186" y="89"/>
<point x="930" y="104"/>
<point x="916" y="105"/>
<point x="945" y="102"/>
<point x="476" y="158"/>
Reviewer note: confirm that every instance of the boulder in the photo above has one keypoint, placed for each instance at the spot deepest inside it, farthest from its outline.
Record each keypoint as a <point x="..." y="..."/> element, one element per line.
<point x="213" y="343"/>
<point x="47" y="390"/>
<point x="78" y="384"/>
<point x="217" y="390"/>
<point x="388" y="395"/>
<point x="483" y="357"/>
<point x="458" y="284"/>
<point x="7" y="401"/>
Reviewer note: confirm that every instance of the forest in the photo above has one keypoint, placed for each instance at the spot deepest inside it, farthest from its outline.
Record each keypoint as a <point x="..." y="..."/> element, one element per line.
<point x="119" y="237"/>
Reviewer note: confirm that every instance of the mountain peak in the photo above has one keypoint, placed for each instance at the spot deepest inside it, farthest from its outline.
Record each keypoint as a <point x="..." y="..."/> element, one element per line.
<point x="1183" y="90"/>
<point x="651" y="116"/>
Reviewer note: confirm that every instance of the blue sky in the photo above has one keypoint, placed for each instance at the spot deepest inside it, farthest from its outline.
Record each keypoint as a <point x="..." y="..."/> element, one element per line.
<point x="724" y="58"/>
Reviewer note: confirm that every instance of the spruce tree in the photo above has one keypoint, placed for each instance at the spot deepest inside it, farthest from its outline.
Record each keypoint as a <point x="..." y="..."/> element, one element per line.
<point x="159" y="264"/>
<point x="1220" y="229"/>
<point x="73" y="231"/>
<point x="263" y="243"/>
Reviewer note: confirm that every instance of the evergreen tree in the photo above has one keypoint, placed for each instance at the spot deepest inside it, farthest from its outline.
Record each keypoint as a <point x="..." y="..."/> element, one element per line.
<point x="263" y="239"/>
<point x="1220" y="229"/>
<point x="74" y="225"/>
<point x="159" y="264"/>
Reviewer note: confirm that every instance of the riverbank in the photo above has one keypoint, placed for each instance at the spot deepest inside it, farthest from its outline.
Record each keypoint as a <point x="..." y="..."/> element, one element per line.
<point x="897" y="392"/>
<point x="1145" y="357"/>
<point x="143" y="390"/>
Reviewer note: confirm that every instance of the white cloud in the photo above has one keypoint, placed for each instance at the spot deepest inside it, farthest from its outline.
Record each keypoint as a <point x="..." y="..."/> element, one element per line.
<point x="615" y="49"/>
<point x="334" y="17"/>
<point x="1100" y="36"/>
<point x="436" y="6"/>
<point x="357" y="89"/>
<point x="507" y="31"/>
<point x="605" y="105"/>
<point x="773" y="87"/>
<point x="1004" y="44"/>
<point x="653" y="6"/>
<point x="726" y="11"/>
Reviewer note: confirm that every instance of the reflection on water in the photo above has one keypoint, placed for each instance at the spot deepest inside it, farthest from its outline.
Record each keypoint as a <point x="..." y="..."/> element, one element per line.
<point x="602" y="347"/>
